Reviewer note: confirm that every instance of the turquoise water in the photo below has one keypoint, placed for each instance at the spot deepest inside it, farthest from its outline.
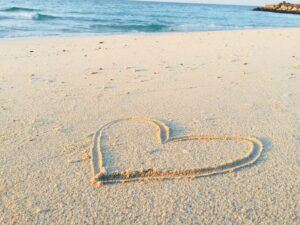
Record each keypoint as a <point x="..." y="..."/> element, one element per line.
<point x="31" y="18"/>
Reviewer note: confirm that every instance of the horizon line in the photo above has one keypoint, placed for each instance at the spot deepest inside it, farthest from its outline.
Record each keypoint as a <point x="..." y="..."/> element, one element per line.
<point x="192" y="2"/>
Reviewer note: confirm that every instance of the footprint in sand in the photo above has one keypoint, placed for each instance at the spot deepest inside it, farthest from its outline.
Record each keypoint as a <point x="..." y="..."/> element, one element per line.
<point x="100" y="169"/>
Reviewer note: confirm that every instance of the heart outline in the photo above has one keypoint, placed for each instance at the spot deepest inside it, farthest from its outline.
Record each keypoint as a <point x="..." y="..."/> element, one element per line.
<point x="163" y="133"/>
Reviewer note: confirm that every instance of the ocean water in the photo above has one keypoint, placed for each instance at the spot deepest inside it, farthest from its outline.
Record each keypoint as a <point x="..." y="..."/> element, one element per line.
<point x="32" y="18"/>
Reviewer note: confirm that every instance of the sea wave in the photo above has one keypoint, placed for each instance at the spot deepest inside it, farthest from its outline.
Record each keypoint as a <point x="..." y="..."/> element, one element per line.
<point x="29" y="16"/>
<point x="134" y="27"/>
<point x="39" y="16"/>
<point x="17" y="9"/>
<point x="3" y="17"/>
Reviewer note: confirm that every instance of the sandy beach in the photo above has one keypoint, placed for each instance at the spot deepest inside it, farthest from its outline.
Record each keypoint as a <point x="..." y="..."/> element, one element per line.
<point x="178" y="128"/>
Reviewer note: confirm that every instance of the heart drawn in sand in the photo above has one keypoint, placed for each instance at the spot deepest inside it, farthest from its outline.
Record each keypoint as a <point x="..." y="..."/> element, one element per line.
<point x="163" y="131"/>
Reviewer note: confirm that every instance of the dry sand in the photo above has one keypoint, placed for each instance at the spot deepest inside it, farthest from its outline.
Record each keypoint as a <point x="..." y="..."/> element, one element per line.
<point x="55" y="93"/>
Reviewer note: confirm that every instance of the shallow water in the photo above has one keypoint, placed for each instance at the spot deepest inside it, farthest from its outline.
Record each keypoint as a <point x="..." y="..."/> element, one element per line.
<point x="76" y="17"/>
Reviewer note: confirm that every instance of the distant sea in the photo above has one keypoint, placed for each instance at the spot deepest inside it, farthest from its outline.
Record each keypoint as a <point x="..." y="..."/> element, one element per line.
<point x="34" y="18"/>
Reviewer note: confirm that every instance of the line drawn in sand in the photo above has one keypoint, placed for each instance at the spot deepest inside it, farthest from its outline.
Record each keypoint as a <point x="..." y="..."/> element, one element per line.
<point x="163" y="131"/>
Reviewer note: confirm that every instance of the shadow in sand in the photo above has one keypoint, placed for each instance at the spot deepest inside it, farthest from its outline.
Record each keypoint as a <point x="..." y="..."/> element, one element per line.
<point x="268" y="145"/>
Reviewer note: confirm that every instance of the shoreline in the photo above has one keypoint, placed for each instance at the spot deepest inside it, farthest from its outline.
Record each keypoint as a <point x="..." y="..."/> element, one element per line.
<point x="137" y="34"/>
<point x="277" y="11"/>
